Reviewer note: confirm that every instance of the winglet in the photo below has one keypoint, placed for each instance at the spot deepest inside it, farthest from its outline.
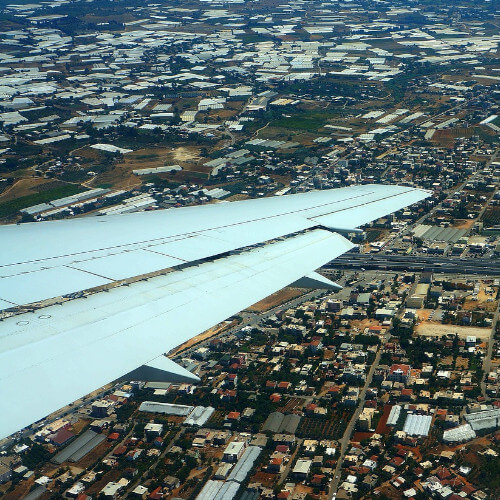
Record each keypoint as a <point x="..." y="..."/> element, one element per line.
<point x="162" y="369"/>
<point x="316" y="281"/>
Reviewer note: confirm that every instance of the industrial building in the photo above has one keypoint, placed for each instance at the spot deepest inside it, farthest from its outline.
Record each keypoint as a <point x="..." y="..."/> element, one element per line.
<point x="277" y="422"/>
<point x="484" y="420"/>
<point x="417" y="425"/>
<point x="459" y="434"/>
<point x="79" y="447"/>
<point x="199" y="416"/>
<point x="245" y="464"/>
<point x="166" y="408"/>
<point x="394" y="415"/>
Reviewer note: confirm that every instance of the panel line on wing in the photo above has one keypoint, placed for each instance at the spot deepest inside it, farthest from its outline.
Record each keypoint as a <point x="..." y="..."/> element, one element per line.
<point x="194" y="233"/>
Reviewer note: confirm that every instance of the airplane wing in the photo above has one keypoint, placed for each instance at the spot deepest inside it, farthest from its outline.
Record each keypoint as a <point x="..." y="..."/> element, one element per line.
<point x="88" y="300"/>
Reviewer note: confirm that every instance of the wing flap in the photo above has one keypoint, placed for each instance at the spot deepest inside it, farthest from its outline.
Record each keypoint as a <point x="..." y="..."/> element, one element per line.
<point x="162" y="369"/>
<point x="115" y="332"/>
<point x="32" y="287"/>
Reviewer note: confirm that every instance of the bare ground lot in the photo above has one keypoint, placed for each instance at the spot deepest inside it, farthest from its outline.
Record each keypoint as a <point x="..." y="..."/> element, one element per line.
<point x="431" y="329"/>
<point x="121" y="175"/>
<point x="27" y="186"/>
<point x="276" y="299"/>
<point x="203" y="336"/>
<point x="463" y="224"/>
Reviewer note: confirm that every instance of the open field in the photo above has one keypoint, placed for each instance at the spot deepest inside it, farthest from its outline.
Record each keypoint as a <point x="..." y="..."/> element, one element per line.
<point x="424" y="314"/>
<point x="121" y="175"/>
<point x="481" y="304"/>
<point x="203" y="336"/>
<point x="10" y="207"/>
<point x="430" y="329"/>
<point x="276" y="299"/>
<point x="25" y="187"/>
<point x="463" y="224"/>
<point x="325" y="428"/>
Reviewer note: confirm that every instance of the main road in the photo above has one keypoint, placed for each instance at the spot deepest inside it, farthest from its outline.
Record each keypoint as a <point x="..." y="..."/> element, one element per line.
<point x="344" y="442"/>
<point x="435" y="263"/>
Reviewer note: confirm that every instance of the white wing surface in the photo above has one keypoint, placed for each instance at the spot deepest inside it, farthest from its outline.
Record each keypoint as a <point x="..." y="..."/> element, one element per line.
<point x="127" y="320"/>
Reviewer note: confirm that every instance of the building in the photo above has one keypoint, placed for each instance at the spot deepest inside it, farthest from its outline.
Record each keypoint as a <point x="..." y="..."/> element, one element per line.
<point x="234" y="451"/>
<point x="153" y="430"/>
<point x="459" y="434"/>
<point x="101" y="409"/>
<point x="417" y="425"/>
<point x="302" y="469"/>
<point x="399" y="373"/>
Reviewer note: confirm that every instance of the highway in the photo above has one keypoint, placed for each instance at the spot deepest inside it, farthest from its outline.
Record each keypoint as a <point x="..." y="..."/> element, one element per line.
<point x="435" y="263"/>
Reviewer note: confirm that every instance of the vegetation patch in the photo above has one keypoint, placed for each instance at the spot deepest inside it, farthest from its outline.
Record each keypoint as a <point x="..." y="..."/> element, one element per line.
<point x="11" y="207"/>
<point x="325" y="428"/>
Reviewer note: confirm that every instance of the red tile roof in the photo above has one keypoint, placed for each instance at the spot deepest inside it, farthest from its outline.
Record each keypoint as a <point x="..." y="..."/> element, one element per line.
<point x="61" y="436"/>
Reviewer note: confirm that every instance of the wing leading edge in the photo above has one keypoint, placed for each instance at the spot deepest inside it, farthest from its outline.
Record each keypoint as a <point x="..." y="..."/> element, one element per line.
<point x="42" y="261"/>
<point x="107" y="334"/>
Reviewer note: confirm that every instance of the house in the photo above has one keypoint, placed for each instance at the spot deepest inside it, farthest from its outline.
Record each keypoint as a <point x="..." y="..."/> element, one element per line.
<point x="275" y="465"/>
<point x="62" y="436"/>
<point x="171" y="482"/>
<point x="233" y="417"/>
<point x="399" y="373"/>
<point x="302" y="469"/>
<point x="153" y="430"/>
<point x="5" y="473"/>
<point x="233" y="451"/>
<point x="284" y="386"/>
<point x="140" y="491"/>
<point x="112" y="489"/>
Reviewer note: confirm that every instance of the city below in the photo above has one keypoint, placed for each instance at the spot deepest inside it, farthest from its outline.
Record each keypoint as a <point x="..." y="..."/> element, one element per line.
<point x="264" y="234"/>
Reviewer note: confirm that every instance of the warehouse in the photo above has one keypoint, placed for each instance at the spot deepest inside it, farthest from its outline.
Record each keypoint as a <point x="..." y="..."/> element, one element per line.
<point x="245" y="464"/>
<point x="166" y="408"/>
<point x="459" y="434"/>
<point x="199" y="416"/>
<point x="277" y="422"/>
<point x="394" y="415"/>
<point x="79" y="447"/>
<point x="437" y="233"/>
<point x="484" y="420"/>
<point x="417" y="425"/>
<point x="218" y="490"/>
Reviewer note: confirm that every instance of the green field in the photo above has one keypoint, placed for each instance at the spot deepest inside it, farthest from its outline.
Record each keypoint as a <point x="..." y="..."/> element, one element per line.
<point x="13" y="206"/>
<point x="300" y="123"/>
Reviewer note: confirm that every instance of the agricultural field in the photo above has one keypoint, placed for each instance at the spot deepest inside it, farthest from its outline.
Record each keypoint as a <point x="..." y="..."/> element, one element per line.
<point x="491" y="217"/>
<point x="293" y="405"/>
<point x="10" y="207"/>
<point x="325" y="428"/>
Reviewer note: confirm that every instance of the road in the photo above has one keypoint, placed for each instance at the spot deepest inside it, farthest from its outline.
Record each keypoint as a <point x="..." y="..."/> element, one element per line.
<point x="250" y="319"/>
<point x="487" y="359"/>
<point x="435" y="263"/>
<point x="288" y="466"/>
<point x="150" y="469"/>
<point x="344" y="442"/>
